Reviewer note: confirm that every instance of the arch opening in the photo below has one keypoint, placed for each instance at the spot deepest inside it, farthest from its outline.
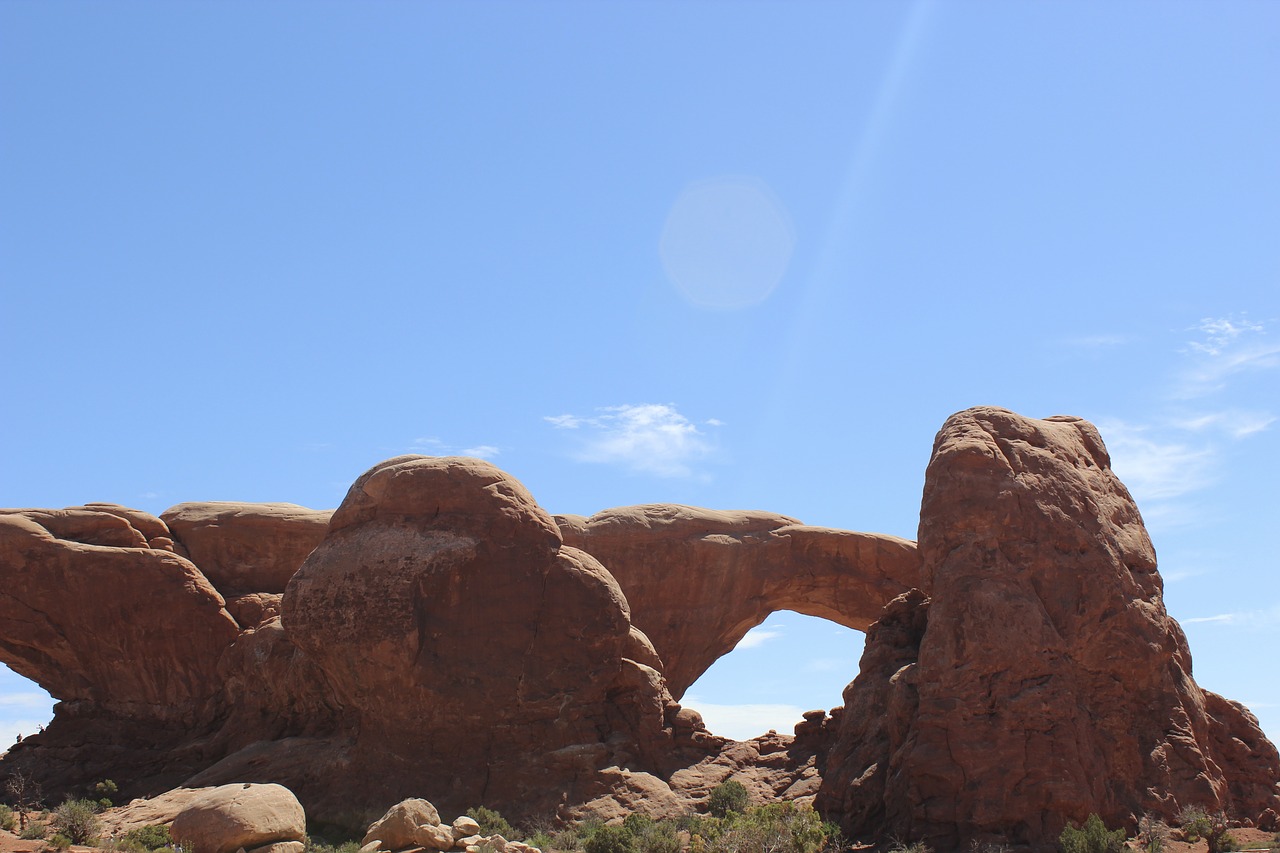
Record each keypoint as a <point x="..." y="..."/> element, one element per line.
<point x="25" y="707"/>
<point x="788" y="664"/>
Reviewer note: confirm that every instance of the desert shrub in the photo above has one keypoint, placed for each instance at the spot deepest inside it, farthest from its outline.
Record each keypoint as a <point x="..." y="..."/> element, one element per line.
<point x="492" y="823"/>
<point x="35" y="831"/>
<point x="1093" y="837"/>
<point x="8" y="820"/>
<point x="651" y="836"/>
<point x="317" y="844"/>
<point x="610" y="839"/>
<point x="699" y="826"/>
<point x="568" y="838"/>
<point x="58" y="841"/>
<point x="1194" y="823"/>
<point x="774" y="828"/>
<point x="104" y="791"/>
<point x="1219" y="840"/>
<point x="78" y="820"/>
<point x="150" y="837"/>
<point x="25" y="794"/>
<point x="913" y="847"/>
<point x="1152" y="834"/>
<point x="727" y="797"/>
<point x="540" y="839"/>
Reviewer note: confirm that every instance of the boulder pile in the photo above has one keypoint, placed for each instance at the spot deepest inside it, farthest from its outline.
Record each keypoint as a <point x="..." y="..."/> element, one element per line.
<point x="414" y="826"/>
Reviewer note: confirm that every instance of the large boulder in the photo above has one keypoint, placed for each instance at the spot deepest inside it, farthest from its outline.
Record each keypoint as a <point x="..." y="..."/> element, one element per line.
<point x="231" y="817"/>
<point x="403" y="824"/>
<point x="698" y="579"/>
<point x="475" y="648"/>
<point x="1041" y="679"/>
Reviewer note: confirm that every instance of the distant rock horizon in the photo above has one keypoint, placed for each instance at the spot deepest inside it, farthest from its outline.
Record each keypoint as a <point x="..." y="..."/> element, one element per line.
<point x="440" y="635"/>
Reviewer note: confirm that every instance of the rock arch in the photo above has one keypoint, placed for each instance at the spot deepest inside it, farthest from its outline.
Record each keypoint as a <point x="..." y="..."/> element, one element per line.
<point x="699" y="579"/>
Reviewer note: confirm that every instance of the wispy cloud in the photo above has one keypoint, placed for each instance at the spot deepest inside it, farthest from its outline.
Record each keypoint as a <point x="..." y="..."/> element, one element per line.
<point x="743" y="722"/>
<point x="1233" y="422"/>
<point x="649" y="438"/>
<point x="1265" y="619"/>
<point x="757" y="637"/>
<point x="1098" y="341"/>
<point x="429" y="445"/>
<point x="1226" y="346"/>
<point x="32" y="701"/>
<point x="1220" y="334"/>
<point x="1153" y="467"/>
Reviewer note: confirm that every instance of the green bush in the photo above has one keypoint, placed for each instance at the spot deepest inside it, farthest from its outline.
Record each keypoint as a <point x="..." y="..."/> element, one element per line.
<point x="104" y="791"/>
<point x="1094" y="837"/>
<point x="727" y="797"/>
<point x="317" y="844"/>
<point x="1194" y="823"/>
<point x="773" y="828"/>
<point x="78" y="820"/>
<point x="610" y="839"/>
<point x="492" y="823"/>
<point x="34" y="832"/>
<point x="58" y="841"/>
<point x="540" y="839"/>
<point x="651" y="836"/>
<point x="8" y="820"/>
<point x="150" y="837"/>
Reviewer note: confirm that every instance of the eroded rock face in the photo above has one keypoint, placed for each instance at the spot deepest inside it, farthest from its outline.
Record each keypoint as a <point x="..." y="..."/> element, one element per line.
<point x="245" y="548"/>
<point x="96" y="615"/>
<point x="445" y="611"/>
<point x="1042" y="680"/>
<point x="699" y="579"/>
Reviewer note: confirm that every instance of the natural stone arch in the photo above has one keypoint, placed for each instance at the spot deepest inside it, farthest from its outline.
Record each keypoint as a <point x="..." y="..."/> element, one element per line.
<point x="699" y="579"/>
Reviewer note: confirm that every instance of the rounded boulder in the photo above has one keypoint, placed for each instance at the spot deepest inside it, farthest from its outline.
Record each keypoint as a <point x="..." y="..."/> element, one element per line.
<point x="246" y="815"/>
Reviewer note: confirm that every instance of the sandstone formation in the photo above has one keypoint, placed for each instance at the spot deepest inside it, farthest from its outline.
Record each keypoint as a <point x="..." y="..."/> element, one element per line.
<point x="98" y="616"/>
<point x="1041" y="679"/>
<point x="698" y="580"/>
<point x="245" y="816"/>
<point x="246" y="548"/>
<point x="441" y="635"/>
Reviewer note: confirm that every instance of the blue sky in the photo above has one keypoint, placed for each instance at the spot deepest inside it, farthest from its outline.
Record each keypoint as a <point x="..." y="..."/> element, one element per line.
<point x="737" y="256"/>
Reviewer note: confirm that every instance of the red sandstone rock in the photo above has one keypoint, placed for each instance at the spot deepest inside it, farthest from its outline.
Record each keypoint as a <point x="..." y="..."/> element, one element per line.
<point x="245" y="547"/>
<point x="95" y="616"/>
<point x="474" y="647"/>
<point x="698" y="579"/>
<point x="1044" y="679"/>
<point x="442" y="640"/>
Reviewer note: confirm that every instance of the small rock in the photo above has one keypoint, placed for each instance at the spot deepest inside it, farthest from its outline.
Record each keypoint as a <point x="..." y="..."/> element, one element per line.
<point x="465" y="826"/>
<point x="434" y="837"/>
